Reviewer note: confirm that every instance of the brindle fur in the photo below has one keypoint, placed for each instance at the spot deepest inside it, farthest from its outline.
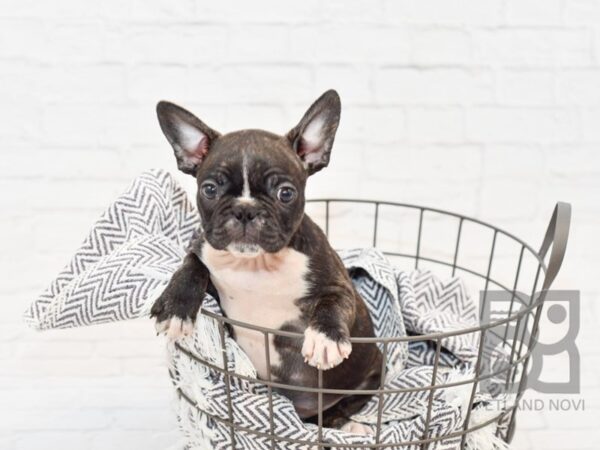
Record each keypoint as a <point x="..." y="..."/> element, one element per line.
<point x="331" y="306"/>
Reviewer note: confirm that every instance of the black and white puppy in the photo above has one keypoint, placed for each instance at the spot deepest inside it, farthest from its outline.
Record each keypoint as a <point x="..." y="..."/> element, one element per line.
<point x="266" y="261"/>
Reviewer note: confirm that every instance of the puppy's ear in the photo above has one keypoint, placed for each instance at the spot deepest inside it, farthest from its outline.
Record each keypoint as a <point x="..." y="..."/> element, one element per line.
<point x="189" y="136"/>
<point x="313" y="137"/>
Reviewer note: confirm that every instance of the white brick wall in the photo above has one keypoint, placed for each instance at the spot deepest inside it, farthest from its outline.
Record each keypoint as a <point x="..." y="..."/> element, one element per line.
<point x="490" y="108"/>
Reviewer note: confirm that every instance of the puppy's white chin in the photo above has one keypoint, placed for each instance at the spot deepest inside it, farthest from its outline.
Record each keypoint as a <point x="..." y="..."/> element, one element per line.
<point x="243" y="250"/>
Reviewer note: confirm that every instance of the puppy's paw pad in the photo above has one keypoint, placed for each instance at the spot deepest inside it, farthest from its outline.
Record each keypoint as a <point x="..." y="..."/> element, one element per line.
<point x="321" y="352"/>
<point x="357" y="428"/>
<point x="175" y="328"/>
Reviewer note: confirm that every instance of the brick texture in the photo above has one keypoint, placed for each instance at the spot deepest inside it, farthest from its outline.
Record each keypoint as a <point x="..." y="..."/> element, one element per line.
<point x="488" y="108"/>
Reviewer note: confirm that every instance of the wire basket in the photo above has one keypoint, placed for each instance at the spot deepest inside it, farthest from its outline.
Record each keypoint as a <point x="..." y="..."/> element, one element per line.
<point x="488" y="258"/>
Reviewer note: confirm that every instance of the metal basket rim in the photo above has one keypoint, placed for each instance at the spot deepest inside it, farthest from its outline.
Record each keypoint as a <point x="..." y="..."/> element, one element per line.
<point x="534" y="252"/>
<point x="518" y="315"/>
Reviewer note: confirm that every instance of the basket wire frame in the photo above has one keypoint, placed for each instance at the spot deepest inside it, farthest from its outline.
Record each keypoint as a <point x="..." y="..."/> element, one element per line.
<point x="556" y="238"/>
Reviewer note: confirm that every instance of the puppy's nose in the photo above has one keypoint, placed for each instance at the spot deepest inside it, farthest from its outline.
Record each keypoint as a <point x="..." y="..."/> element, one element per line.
<point x="244" y="213"/>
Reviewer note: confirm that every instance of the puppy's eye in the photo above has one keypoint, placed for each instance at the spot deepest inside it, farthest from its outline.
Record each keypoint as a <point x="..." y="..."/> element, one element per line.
<point x="209" y="190"/>
<point x="286" y="194"/>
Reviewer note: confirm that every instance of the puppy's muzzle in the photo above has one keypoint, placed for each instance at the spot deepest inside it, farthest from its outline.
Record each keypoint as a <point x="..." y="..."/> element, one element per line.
<point x="245" y="223"/>
<point x="245" y="214"/>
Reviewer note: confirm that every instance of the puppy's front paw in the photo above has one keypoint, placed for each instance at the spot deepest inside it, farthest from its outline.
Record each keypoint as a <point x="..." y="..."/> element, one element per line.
<point x="357" y="428"/>
<point x="173" y="318"/>
<point x="323" y="353"/>
<point x="175" y="327"/>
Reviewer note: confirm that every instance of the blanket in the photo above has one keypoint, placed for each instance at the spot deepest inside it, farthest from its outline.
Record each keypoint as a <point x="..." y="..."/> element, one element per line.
<point x="133" y="249"/>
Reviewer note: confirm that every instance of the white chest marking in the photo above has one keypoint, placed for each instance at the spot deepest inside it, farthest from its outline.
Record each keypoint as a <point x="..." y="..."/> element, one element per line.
<point x="260" y="290"/>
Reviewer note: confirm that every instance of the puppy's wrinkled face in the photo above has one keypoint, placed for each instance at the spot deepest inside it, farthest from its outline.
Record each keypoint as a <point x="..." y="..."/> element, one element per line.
<point x="251" y="182"/>
<point x="251" y="192"/>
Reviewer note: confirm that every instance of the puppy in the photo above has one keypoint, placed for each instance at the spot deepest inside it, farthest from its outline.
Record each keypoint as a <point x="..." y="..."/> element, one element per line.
<point x="267" y="262"/>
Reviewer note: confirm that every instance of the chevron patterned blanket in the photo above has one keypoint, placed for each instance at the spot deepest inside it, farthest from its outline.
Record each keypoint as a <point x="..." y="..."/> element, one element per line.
<point x="418" y="303"/>
<point x="127" y="260"/>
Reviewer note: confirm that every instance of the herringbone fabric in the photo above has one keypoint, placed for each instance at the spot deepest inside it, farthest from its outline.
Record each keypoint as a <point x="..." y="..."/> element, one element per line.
<point x="129" y="254"/>
<point x="137" y="244"/>
<point x="387" y="292"/>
